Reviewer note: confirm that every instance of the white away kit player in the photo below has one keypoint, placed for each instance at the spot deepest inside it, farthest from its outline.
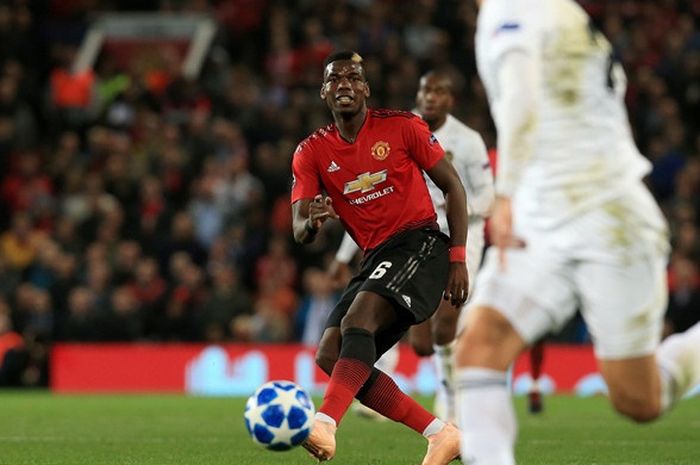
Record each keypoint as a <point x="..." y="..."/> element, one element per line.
<point x="573" y="224"/>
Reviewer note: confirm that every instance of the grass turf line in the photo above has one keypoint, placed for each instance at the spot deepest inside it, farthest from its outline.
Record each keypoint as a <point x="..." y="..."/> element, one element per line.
<point x="42" y="429"/>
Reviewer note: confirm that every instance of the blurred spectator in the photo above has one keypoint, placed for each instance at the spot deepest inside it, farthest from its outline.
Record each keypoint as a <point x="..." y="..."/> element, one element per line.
<point x="20" y="244"/>
<point x="141" y="205"/>
<point x="226" y="302"/>
<point x="81" y="324"/>
<point x="149" y="292"/>
<point x="265" y="325"/>
<point x="317" y="303"/>
<point x="684" y="299"/>
<point x="122" y="322"/>
<point x="12" y="354"/>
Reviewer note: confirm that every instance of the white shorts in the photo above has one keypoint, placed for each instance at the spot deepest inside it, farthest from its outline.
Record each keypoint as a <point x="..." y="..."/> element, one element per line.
<point x="609" y="262"/>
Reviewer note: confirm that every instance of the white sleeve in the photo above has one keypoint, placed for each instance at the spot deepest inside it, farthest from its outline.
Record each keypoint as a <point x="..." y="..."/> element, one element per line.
<point x="509" y="25"/>
<point x="478" y="179"/>
<point x="347" y="250"/>
<point x="515" y="114"/>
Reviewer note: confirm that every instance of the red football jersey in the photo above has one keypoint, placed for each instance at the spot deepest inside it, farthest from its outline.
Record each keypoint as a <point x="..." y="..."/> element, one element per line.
<point x="376" y="183"/>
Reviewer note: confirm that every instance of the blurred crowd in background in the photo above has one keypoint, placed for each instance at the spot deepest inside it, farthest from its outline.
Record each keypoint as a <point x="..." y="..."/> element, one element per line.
<point x="138" y="205"/>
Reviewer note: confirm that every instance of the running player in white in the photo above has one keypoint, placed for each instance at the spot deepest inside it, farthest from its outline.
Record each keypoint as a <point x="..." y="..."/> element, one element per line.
<point x="573" y="224"/>
<point x="465" y="148"/>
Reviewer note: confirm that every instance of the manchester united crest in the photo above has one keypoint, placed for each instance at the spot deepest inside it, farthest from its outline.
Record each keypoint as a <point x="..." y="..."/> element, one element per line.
<point x="380" y="150"/>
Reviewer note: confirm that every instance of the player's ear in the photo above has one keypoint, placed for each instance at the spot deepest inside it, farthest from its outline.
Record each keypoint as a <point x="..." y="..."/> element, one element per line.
<point x="367" y="91"/>
<point x="322" y="92"/>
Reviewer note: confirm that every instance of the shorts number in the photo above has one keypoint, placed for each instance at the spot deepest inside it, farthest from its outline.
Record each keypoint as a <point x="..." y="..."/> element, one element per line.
<point x="380" y="270"/>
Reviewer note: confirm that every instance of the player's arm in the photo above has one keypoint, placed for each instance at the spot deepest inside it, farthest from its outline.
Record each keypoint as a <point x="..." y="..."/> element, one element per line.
<point x="516" y="114"/>
<point x="444" y="175"/>
<point x="310" y="209"/>
<point x="516" y="120"/>
<point x="309" y="215"/>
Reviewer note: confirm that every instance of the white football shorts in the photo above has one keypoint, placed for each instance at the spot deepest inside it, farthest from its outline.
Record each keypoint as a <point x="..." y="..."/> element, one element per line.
<point x="609" y="262"/>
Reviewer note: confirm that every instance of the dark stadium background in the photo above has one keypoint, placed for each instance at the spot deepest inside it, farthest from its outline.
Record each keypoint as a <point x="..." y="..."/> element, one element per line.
<point x="139" y="205"/>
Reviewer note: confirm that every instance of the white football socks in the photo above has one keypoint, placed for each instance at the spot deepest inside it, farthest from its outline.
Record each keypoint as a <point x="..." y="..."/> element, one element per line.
<point x="445" y="405"/>
<point x="434" y="427"/>
<point x="678" y="358"/>
<point x="485" y="416"/>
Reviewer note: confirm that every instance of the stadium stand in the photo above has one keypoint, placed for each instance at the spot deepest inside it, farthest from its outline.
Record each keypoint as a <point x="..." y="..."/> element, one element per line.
<point x="142" y="205"/>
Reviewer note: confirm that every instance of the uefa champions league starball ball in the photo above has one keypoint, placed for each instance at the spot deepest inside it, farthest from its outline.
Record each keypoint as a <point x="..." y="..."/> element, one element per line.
<point x="279" y="415"/>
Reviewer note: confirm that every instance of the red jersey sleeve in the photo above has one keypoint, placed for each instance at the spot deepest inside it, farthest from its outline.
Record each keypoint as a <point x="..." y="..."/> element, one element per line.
<point x="423" y="146"/>
<point x="305" y="178"/>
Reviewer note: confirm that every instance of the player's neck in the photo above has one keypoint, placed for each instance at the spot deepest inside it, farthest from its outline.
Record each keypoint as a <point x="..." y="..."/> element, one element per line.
<point x="437" y="123"/>
<point x="349" y="125"/>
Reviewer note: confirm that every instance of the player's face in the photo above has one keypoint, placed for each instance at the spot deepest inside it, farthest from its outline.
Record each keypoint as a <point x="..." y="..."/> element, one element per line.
<point x="344" y="87"/>
<point x="434" y="98"/>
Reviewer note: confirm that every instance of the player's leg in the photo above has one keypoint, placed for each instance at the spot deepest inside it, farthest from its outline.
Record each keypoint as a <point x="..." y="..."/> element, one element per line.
<point x="382" y="394"/>
<point x="368" y="314"/>
<point x="623" y="307"/>
<point x="534" y="396"/>
<point x="643" y="388"/>
<point x="415" y="286"/>
<point x="510" y="309"/>
<point x="386" y="400"/>
<point x="386" y="363"/>
<point x="420" y="337"/>
<point x="485" y="349"/>
<point x="444" y="325"/>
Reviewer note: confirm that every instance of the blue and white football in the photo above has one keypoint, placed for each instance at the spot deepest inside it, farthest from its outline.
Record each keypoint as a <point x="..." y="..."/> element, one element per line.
<point x="279" y="415"/>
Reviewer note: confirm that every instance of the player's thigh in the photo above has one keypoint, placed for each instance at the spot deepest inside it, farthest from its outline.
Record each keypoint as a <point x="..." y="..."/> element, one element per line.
<point x="534" y="291"/>
<point x="634" y="386"/>
<point x="411" y="272"/>
<point x="623" y="303"/>
<point x="489" y="340"/>
<point x="370" y="311"/>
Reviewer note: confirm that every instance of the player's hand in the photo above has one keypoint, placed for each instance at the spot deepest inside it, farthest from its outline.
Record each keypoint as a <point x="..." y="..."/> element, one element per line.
<point x="320" y="209"/>
<point x="501" y="229"/>
<point x="339" y="273"/>
<point x="457" y="289"/>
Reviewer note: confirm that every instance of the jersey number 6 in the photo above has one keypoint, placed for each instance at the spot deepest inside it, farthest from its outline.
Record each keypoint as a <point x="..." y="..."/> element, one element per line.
<point x="380" y="270"/>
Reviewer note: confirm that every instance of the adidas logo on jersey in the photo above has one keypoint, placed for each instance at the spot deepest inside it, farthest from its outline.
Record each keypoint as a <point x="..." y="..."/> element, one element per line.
<point x="406" y="299"/>
<point x="333" y="167"/>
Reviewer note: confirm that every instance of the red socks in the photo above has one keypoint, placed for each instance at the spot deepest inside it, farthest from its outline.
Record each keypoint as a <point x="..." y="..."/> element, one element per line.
<point x="351" y="371"/>
<point x="385" y="397"/>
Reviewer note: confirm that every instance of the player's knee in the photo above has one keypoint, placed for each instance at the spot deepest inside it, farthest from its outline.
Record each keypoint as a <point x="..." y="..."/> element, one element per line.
<point x="638" y="408"/>
<point x="422" y="347"/>
<point x="326" y="361"/>
<point x="488" y="341"/>
<point x="444" y="331"/>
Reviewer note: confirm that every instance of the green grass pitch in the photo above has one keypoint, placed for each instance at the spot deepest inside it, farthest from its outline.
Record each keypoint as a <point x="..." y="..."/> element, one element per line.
<point x="44" y="429"/>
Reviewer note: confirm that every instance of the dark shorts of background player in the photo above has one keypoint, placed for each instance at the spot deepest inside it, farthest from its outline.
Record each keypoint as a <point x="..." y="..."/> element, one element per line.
<point x="410" y="271"/>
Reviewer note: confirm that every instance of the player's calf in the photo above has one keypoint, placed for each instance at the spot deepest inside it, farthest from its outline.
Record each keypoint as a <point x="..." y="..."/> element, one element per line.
<point x="638" y="409"/>
<point x="634" y="387"/>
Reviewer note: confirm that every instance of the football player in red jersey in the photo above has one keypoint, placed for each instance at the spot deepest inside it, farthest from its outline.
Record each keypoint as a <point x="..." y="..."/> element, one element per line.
<point x="367" y="170"/>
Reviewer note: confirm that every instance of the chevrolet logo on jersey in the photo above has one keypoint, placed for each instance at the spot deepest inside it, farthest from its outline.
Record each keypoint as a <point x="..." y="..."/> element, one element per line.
<point x="365" y="182"/>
